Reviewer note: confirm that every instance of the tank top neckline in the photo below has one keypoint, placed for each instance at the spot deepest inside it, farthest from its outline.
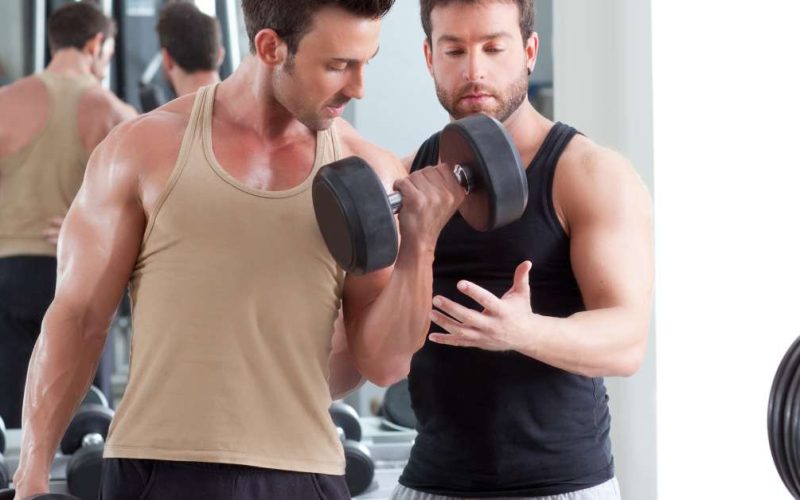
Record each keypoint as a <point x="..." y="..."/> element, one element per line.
<point x="205" y="119"/>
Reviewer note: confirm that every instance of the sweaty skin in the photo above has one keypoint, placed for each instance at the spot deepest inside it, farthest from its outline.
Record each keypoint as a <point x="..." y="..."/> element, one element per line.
<point x="478" y="60"/>
<point x="264" y="124"/>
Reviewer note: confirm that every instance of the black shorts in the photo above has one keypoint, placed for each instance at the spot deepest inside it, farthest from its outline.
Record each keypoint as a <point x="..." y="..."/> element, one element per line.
<point x="27" y="285"/>
<point x="132" y="479"/>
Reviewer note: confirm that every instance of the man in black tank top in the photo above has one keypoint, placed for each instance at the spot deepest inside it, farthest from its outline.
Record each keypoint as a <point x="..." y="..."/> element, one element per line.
<point x="508" y="390"/>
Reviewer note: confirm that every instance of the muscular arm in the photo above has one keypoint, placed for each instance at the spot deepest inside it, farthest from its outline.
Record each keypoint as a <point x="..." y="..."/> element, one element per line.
<point x="98" y="248"/>
<point x="607" y="211"/>
<point x="344" y="376"/>
<point x="387" y="312"/>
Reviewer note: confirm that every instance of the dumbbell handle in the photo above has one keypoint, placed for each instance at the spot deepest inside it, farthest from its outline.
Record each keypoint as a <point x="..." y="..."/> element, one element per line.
<point x="463" y="176"/>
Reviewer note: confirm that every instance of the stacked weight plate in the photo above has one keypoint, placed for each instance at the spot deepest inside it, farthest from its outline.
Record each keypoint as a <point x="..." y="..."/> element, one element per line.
<point x="783" y="419"/>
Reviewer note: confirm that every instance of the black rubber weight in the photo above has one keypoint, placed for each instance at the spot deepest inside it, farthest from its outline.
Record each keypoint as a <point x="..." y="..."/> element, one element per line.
<point x="354" y="216"/>
<point x="360" y="468"/>
<point x="397" y="406"/>
<point x="84" y="472"/>
<point x="482" y="144"/>
<point x="790" y="414"/>
<point x="346" y="418"/>
<point x="2" y="436"/>
<point x="775" y="414"/>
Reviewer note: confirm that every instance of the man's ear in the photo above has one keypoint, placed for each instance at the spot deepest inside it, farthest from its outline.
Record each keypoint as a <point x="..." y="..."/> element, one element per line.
<point x="270" y="48"/>
<point x="221" y="56"/>
<point x="167" y="61"/>
<point x="428" y="55"/>
<point x="532" y="51"/>
<point x="94" y="46"/>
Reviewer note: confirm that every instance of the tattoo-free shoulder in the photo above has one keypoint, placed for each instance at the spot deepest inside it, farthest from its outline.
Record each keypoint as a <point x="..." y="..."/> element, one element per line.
<point x="385" y="163"/>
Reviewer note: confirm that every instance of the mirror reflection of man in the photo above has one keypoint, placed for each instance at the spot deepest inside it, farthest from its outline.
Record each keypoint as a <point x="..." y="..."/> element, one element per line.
<point x="191" y="52"/>
<point x="49" y="125"/>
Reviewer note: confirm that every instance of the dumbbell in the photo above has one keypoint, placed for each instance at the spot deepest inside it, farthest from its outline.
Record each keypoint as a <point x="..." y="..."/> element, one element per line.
<point x="95" y="397"/>
<point x="359" y="466"/>
<point x="84" y="440"/>
<point x="398" y="415"/>
<point x="9" y="495"/>
<point x="356" y="216"/>
<point x="5" y="477"/>
<point x="2" y="436"/>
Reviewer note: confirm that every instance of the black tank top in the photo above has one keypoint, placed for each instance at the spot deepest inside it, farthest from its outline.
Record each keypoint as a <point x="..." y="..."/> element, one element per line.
<point x="500" y="423"/>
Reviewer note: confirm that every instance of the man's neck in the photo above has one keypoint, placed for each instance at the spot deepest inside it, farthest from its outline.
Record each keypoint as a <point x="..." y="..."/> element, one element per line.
<point x="71" y="62"/>
<point x="188" y="83"/>
<point x="528" y="129"/>
<point x="247" y="99"/>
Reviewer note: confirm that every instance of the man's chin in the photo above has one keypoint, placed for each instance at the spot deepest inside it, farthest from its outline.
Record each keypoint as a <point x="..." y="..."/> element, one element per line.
<point x="463" y="112"/>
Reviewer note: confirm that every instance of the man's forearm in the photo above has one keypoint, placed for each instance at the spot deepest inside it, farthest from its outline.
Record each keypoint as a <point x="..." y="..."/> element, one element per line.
<point x="61" y="368"/>
<point x="394" y="326"/>
<point x="598" y="343"/>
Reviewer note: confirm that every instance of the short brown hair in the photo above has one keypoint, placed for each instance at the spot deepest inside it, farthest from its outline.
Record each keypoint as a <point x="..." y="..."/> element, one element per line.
<point x="291" y="20"/>
<point x="189" y="36"/>
<point x="526" y="14"/>
<point x="74" y="24"/>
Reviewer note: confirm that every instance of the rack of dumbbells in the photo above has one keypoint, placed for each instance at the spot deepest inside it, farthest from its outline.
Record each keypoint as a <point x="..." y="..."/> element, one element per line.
<point x="77" y="468"/>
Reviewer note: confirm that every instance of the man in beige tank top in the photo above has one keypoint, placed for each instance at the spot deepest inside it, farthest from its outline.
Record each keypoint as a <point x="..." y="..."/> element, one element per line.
<point x="191" y="51"/>
<point x="204" y="207"/>
<point x="49" y="124"/>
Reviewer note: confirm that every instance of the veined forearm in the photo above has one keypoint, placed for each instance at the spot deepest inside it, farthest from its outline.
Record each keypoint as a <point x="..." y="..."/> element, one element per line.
<point x="395" y="325"/>
<point x="61" y="368"/>
<point x="598" y="343"/>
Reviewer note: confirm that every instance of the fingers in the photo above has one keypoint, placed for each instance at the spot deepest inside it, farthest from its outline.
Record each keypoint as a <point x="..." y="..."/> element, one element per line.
<point x="460" y="313"/>
<point x="485" y="298"/>
<point x="458" y="334"/>
<point x="522" y="277"/>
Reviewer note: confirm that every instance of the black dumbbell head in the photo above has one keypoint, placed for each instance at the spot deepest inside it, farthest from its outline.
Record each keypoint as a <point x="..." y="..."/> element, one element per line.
<point x="345" y="417"/>
<point x="2" y="436"/>
<point x="90" y="419"/>
<point x="499" y="191"/>
<point x="95" y="397"/>
<point x="359" y="468"/>
<point x="84" y="472"/>
<point x="396" y="407"/>
<point x="5" y="476"/>
<point x="776" y="415"/>
<point x="354" y="216"/>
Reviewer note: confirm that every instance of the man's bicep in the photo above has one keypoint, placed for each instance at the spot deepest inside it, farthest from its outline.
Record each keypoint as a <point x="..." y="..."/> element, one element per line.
<point x="611" y="241"/>
<point x="100" y="239"/>
<point x="359" y="293"/>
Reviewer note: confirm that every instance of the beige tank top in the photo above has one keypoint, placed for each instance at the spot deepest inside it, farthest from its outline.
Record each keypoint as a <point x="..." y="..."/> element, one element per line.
<point x="40" y="181"/>
<point x="234" y="298"/>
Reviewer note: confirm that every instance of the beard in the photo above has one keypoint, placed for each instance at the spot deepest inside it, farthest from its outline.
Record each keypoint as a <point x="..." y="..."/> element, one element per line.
<point x="503" y="104"/>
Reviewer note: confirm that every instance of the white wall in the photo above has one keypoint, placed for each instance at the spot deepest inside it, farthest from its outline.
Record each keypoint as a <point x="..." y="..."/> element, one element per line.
<point x="603" y="87"/>
<point x="727" y="124"/>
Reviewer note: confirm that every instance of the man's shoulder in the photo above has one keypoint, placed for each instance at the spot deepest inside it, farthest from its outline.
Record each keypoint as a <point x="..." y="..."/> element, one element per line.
<point x="590" y="175"/>
<point x="585" y="160"/>
<point x="385" y="163"/>
<point x="23" y="90"/>
<point x="151" y="138"/>
<point x="105" y="105"/>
